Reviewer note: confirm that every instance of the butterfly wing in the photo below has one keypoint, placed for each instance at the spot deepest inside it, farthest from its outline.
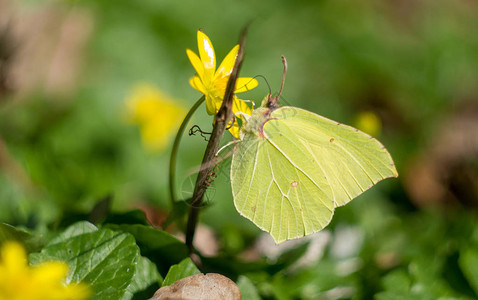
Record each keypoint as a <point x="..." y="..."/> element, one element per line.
<point x="288" y="180"/>
<point x="351" y="161"/>
<point x="279" y="192"/>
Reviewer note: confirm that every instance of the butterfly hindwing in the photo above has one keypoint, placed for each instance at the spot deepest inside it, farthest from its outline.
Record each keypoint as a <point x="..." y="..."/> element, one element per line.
<point x="278" y="194"/>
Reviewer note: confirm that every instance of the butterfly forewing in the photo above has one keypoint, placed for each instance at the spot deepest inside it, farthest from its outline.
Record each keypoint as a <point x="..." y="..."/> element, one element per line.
<point x="351" y="160"/>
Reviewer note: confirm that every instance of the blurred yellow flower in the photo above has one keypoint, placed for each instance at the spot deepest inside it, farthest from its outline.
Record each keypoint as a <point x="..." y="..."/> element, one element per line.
<point x="212" y="83"/>
<point x="18" y="281"/>
<point x="157" y="115"/>
<point x="368" y="122"/>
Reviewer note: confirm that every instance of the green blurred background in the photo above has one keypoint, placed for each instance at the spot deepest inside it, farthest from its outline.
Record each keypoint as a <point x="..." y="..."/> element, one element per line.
<point x="405" y="70"/>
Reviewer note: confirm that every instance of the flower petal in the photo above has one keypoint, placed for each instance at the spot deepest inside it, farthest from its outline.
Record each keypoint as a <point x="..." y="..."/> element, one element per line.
<point x="196" y="62"/>
<point x="211" y="104"/>
<point x="239" y="105"/>
<point x="14" y="257"/>
<point x="234" y="129"/>
<point x="227" y="64"/>
<point x="197" y="84"/>
<point x="51" y="272"/>
<point x="244" y="84"/>
<point x="45" y="281"/>
<point x="206" y="51"/>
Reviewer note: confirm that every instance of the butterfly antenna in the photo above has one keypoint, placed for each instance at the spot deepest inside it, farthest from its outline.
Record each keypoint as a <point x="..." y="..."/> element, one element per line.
<point x="284" y="61"/>
<point x="265" y="80"/>
<point x="245" y="84"/>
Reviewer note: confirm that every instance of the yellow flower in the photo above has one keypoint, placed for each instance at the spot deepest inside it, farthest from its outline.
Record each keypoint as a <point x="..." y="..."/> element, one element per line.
<point x="18" y="281"/>
<point x="157" y="115"/>
<point x="368" y="122"/>
<point x="212" y="83"/>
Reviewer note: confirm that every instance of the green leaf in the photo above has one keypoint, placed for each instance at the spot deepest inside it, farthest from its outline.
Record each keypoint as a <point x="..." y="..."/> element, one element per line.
<point x="182" y="270"/>
<point x="159" y="246"/>
<point x="248" y="289"/>
<point x="146" y="275"/>
<point x="103" y="258"/>
<point x="73" y="231"/>
<point x="398" y="296"/>
<point x="398" y="281"/>
<point x="280" y="287"/>
<point x="31" y="242"/>
<point x="232" y="267"/>
<point x="135" y="216"/>
<point x="468" y="262"/>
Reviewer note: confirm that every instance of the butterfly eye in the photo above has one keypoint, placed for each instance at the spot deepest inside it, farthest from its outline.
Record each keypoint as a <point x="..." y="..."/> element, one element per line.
<point x="272" y="102"/>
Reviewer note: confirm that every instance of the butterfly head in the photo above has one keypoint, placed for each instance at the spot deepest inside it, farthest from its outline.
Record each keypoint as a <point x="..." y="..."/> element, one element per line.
<point x="270" y="101"/>
<point x="255" y="123"/>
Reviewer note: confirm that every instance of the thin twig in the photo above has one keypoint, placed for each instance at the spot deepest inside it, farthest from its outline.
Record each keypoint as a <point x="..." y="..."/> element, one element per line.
<point x="222" y="118"/>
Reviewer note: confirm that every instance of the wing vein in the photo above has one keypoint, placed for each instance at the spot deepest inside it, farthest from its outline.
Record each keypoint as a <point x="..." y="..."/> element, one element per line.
<point x="292" y="163"/>
<point x="252" y="180"/>
<point x="361" y="166"/>
<point x="283" y="196"/>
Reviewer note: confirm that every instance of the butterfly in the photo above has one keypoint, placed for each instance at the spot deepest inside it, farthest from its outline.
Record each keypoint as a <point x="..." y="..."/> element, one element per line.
<point x="292" y="168"/>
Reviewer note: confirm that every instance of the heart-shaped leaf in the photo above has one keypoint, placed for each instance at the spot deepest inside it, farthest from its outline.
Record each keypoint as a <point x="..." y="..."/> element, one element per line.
<point x="146" y="275"/>
<point x="103" y="258"/>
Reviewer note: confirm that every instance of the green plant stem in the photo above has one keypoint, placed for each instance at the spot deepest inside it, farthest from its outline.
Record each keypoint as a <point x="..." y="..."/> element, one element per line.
<point x="174" y="151"/>
<point x="209" y="160"/>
